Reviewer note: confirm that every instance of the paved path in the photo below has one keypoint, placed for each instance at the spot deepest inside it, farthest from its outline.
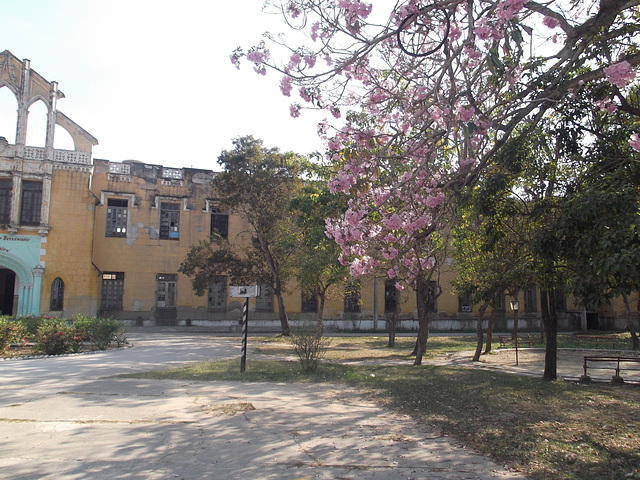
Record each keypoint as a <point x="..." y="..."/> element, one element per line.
<point x="67" y="418"/>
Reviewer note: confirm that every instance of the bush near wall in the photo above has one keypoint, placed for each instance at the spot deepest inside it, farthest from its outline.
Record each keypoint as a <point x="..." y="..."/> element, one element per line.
<point x="57" y="336"/>
<point x="10" y="332"/>
<point x="100" y="332"/>
<point x="53" y="337"/>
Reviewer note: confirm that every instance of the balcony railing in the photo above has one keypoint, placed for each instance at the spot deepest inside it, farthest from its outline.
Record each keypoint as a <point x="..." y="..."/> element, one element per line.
<point x="62" y="156"/>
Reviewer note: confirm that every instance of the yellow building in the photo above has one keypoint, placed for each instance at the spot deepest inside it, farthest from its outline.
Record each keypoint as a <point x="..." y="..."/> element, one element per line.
<point x="85" y="236"/>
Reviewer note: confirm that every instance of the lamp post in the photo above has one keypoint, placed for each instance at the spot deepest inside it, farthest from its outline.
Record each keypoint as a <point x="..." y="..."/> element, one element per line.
<point x="514" y="307"/>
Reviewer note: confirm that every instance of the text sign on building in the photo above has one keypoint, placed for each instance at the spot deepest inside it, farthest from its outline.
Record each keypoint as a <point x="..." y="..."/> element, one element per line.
<point x="247" y="291"/>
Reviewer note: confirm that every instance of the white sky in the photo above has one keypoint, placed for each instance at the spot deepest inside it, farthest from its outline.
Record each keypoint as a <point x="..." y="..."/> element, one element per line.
<point x="151" y="79"/>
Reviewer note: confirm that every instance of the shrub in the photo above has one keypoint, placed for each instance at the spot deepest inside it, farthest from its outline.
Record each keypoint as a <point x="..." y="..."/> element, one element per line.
<point x="53" y="337"/>
<point x="102" y="331"/>
<point x="11" y="331"/>
<point x="31" y="324"/>
<point x="78" y="333"/>
<point x="121" y="336"/>
<point x="310" y="346"/>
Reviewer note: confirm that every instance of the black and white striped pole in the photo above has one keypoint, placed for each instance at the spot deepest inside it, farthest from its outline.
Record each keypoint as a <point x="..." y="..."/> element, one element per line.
<point x="246" y="293"/>
<point x="245" y="322"/>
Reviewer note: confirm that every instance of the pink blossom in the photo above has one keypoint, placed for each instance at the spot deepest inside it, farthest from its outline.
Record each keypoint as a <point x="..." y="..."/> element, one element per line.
<point x="434" y="201"/>
<point x="314" y="31"/>
<point x="606" y="105"/>
<point x="360" y="266"/>
<point x="394" y="222"/>
<point x="620" y="74"/>
<point x="310" y="60"/>
<point x="550" y="22"/>
<point x="255" y="56"/>
<point x="285" y="86"/>
<point x="380" y="196"/>
<point x="466" y="113"/>
<point x="295" y="59"/>
<point x="634" y="141"/>
<point x="483" y="30"/>
<point x="293" y="10"/>
<point x="294" y="110"/>
<point x="390" y="253"/>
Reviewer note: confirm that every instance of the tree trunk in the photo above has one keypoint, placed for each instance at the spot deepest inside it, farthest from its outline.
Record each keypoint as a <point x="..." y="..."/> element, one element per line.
<point x="320" y="313"/>
<point x="282" y="314"/>
<point x="550" y="319"/>
<point x="277" y="290"/>
<point x="393" y="320"/>
<point x="422" y="297"/>
<point x="635" y="343"/>
<point x="490" y="331"/>
<point x="479" y="332"/>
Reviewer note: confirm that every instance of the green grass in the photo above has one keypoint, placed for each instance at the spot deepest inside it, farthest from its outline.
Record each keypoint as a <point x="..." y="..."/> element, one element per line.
<point x="546" y="430"/>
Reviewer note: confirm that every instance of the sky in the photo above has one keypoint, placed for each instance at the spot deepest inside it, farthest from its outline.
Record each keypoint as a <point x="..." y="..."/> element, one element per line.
<point x="152" y="79"/>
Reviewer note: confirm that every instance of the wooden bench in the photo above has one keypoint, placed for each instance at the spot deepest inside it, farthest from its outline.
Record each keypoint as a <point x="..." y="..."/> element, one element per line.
<point x="509" y="341"/>
<point x="597" y="339"/>
<point x="609" y="363"/>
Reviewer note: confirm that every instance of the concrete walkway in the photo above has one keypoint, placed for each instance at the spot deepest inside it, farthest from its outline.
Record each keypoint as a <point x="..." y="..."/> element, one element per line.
<point x="68" y="418"/>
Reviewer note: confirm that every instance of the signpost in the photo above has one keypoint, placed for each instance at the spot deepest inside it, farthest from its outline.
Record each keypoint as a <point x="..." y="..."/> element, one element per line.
<point x="244" y="292"/>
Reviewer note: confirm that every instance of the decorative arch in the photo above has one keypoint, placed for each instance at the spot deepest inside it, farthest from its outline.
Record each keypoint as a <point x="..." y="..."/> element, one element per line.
<point x="8" y="112"/>
<point x="37" y="123"/>
<point x="23" y="271"/>
<point x="41" y="98"/>
<point x="63" y="139"/>
<point x="29" y="280"/>
<point x="4" y="83"/>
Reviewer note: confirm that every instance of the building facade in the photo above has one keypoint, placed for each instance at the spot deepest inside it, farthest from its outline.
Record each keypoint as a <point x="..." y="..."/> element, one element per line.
<point x="86" y="236"/>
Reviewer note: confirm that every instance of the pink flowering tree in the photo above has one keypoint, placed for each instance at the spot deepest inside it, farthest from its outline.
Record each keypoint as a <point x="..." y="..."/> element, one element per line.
<point x="428" y="93"/>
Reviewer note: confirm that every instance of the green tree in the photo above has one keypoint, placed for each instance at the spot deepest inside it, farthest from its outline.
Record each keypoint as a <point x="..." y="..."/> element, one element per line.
<point x="318" y="267"/>
<point x="600" y="223"/>
<point x="257" y="183"/>
<point x="488" y="254"/>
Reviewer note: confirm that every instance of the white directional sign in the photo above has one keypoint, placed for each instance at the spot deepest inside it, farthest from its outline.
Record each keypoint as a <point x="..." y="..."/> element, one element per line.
<point x="244" y="292"/>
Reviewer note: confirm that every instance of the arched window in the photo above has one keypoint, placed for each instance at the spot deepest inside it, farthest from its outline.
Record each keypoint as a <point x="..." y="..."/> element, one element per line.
<point x="57" y="295"/>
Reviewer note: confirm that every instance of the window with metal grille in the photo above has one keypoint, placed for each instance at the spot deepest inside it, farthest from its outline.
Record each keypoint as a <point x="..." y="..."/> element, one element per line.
<point x="309" y="302"/>
<point x="166" y="290"/>
<point x="500" y="303"/>
<point x="217" y="295"/>
<point x="530" y="300"/>
<point x="219" y="223"/>
<point x="465" y="303"/>
<point x="390" y="296"/>
<point x="169" y="221"/>
<point x="6" y="187"/>
<point x="112" y="291"/>
<point x="117" y="212"/>
<point x="31" y="203"/>
<point x="264" y="301"/>
<point x="352" y="298"/>
<point x="57" y="295"/>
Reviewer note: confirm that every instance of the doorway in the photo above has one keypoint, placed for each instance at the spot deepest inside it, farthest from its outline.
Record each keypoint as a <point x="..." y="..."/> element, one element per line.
<point x="7" y="287"/>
